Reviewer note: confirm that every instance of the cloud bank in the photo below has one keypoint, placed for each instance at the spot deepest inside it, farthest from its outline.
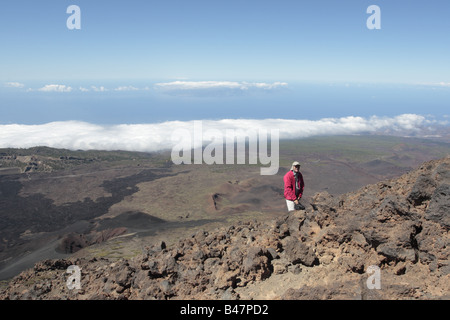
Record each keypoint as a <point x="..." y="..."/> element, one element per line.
<point x="55" y="88"/>
<point x="185" y="87"/>
<point x="76" y="135"/>
<point x="201" y="85"/>
<point x="14" y="85"/>
<point x="215" y="87"/>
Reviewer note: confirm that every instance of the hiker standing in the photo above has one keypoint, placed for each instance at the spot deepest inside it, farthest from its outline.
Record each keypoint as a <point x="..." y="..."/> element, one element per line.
<point x="293" y="187"/>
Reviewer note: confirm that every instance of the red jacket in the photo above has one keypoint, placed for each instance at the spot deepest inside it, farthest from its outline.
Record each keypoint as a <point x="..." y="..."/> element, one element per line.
<point x="289" y="185"/>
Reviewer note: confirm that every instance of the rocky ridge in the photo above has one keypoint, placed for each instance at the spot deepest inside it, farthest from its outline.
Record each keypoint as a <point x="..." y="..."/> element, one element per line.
<point x="400" y="226"/>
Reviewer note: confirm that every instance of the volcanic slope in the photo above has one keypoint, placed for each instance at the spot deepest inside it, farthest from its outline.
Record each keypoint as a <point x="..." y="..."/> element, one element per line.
<point x="55" y="203"/>
<point x="399" y="225"/>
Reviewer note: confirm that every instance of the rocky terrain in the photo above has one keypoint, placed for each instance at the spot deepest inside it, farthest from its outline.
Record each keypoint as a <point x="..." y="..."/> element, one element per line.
<point x="56" y="202"/>
<point x="325" y="252"/>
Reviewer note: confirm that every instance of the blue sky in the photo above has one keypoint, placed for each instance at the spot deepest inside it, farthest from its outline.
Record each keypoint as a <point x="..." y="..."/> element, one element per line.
<point x="321" y="40"/>
<point x="260" y="59"/>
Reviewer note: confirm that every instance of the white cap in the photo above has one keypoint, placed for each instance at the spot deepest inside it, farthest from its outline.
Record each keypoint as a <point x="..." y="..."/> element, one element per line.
<point x="295" y="163"/>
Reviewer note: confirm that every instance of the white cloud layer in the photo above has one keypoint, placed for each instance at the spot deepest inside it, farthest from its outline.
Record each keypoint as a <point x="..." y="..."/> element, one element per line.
<point x="198" y="85"/>
<point x="216" y="86"/>
<point x="174" y="87"/>
<point x="126" y="88"/>
<point x="55" y="88"/>
<point x="14" y="85"/>
<point x="99" y="89"/>
<point x="118" y="89"/>
<point x="153" y="137"/>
